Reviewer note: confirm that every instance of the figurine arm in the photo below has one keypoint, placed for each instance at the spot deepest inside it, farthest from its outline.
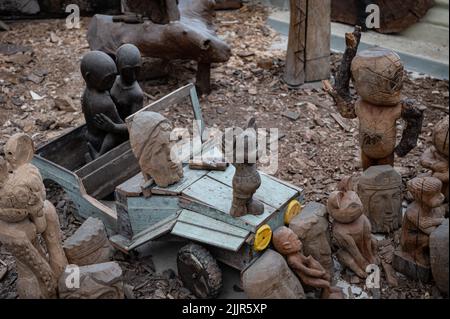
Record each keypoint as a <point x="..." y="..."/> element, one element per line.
<point x="413" y="117"/>
<point x="347" y="243"/>
<point x="104" y="123"/>
<point x="309" y="271"/>
<point x="341" y="90"/>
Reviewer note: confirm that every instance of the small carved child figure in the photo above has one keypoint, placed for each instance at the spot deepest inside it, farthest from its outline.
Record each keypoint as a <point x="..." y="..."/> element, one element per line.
<point x="99" y="73"/>
<point x="421" y="219"/>
<point x="126" y="92"/>
<point x="378" y="79"/>
<point x="435" y="158"/>
<point x="246" y="179"/>
<point x="309" y="270"/>
<point x="351" y="229"/>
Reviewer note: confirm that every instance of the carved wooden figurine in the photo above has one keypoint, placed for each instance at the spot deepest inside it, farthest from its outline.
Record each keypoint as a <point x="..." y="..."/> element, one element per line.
<point x="126" y="92"/>
<point x="24" y="215"/>
<point x="309" y="270"/>
<point x="308" y="52"/>
<point x="246" y="179"/>
<point x="99" y="73"/>
<point x="150" y="142"/>
<point x="420" y="220"/>
<point x="351" y="229"/>
<point x="435" y="158"/>
<point x="380" y="190"/>
<point x="378" y="79"/>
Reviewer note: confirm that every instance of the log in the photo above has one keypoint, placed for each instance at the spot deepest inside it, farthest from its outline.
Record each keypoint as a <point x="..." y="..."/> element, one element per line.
<point x="191" y="38"/>
<point x="228" y="4"/>
<point x="158" y="11"/>
<point x="396" y="15"/>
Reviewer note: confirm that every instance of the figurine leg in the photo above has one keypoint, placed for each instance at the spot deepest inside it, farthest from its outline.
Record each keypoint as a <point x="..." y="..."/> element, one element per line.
<point x="347" y="260"/>
<point x="110" y="141"/>
<point x="238" y="207"/>
<point x="367" y="162"/>
<point x="255" y="207"/>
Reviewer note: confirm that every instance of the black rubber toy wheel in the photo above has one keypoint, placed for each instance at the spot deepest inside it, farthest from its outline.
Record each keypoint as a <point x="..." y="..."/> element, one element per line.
<point x="199" y="271"/>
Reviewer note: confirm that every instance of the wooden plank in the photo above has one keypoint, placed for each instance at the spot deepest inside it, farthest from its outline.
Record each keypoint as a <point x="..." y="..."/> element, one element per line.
<point x="189" y="176"/>
<point x="131" y="187"/>
<point x="271" y="192"/>
<point x="219" y="196"/>
<point x="239" y="260"/>
<point x="209" y="231"/>
<point x="152" y="233"/>
<point x="72" y="142"/>
<point x="318" y="33"/>
<point x="145" y="212"/>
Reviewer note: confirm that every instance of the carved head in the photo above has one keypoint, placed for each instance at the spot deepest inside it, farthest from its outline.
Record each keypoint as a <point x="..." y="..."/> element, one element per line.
<point x="380" y="189"/>
<point x="440" y="136"/>
<point x="98" y="70"/>
<point x="426" y="190"/>
<point x="378" y="76"/>
<point x="285" y="241"/>
<point x="344" y="204"/>
<point x="19" y="150"/>
<point x="129" y="63"/>
<point x="150" y="141"/>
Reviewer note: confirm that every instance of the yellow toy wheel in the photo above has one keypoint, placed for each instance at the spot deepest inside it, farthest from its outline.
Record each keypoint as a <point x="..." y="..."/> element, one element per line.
<point x="263" y="237"/>
<point x="294" y="208"/>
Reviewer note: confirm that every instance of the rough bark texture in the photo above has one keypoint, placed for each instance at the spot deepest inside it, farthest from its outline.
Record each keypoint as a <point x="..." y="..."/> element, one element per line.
<point x="396" y="15"/>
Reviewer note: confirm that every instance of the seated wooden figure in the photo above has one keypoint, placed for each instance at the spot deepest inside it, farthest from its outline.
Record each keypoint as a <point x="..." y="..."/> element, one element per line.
<point x="351" y="229"/>
<point x="150" y="142"/>
<point x="421" y="218"/>
<point x="246" y="179"/>
<point x="99" y="73"/>
<point x="378" y="79"/>
<point x="24" y="215"/>
<point x="309" y="270"/>
<point x="435" y="158"/>
<point x="126" y="92"/>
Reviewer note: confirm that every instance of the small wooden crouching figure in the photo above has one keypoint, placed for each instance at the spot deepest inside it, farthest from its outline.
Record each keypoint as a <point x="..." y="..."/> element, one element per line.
<point x="99" y="73"/>
<point x="309" y="270"/>
<point x="246" y="179"/>
<point x="351" y="229"/>
<point x="150" y="142"/>
<point x="421" y="219"/>
<point x="378" y="79"/>
<point x="24" y="215"/>
<point x="435" y="158"/>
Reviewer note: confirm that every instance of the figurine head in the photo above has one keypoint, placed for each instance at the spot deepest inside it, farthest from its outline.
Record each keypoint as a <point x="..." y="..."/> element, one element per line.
<point x="380" y="189"/>
<point x="285" y="241"/>
<point x="19" y="150"/>
<point x="98" y="70"/>
<point x="378" y="76"/>
<point x="344" y="204"/>
<point x="150" y="141"/>
<point x="129" y="63"/>
<point x="426" y="190"/>
<point x="440" y="136"/>
<point x="242" y="145"/>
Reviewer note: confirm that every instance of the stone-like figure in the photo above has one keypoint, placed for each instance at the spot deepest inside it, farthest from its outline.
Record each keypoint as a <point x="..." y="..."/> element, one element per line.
<point x="309" y="270"/>
<point x="422" y="217"/>
<point x="99" y="73"/>
<point x="351" y="229"/>
<point x="25" y="216"/>
<point x="435" y="158"/>
<point x="246" y="179"/>
<point x="126" y="92"/>
<point x="380" y="190"/>
<point x="150" y="142"/>
<point x="378" y="79"/>
<point x="311" y="226"/>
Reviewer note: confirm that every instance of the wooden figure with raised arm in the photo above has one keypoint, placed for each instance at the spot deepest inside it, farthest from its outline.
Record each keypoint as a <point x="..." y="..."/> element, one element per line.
<point x="377" y="75"/>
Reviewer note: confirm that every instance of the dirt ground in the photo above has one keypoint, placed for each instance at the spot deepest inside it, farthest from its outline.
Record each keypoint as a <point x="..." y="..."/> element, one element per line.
<point x="315" y="152"/>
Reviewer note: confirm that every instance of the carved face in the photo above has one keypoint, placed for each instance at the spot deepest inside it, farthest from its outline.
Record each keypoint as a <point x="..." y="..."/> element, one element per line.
<point x="345" y="207"/>
<point x="129" y="63"/>
<point x="286" y="241"/>
<point x="19" y="150"/>
<point x="441" y="137"/>
<point x="384" y="209"/>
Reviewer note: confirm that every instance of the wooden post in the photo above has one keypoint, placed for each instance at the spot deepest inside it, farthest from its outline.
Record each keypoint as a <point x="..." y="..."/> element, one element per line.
<point x="308" y="53"/>
<point x="203" y="83"/>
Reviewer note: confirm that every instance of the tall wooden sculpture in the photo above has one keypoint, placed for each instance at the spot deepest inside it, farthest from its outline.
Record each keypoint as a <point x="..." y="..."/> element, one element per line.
<point x="308" y="53"/>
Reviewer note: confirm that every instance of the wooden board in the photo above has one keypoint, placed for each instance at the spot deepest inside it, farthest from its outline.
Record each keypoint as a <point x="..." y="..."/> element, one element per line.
<point x="270" y="192"/>
<point x="190" y="176"/>
<point x="209" y="231"/>
<point x="132" y="187"/>
<point x="145" y="212"/>
<point x="219" y="196"/>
